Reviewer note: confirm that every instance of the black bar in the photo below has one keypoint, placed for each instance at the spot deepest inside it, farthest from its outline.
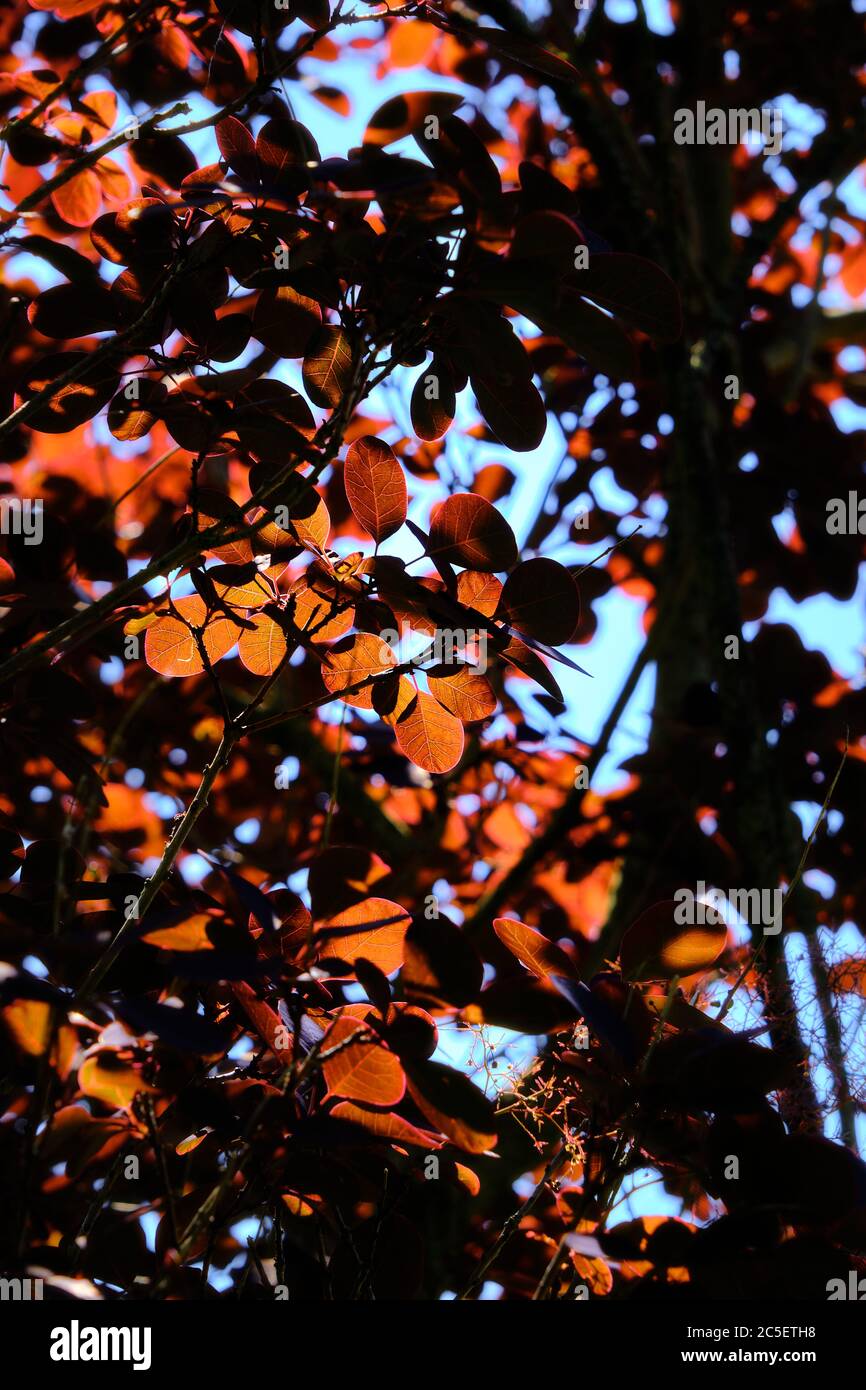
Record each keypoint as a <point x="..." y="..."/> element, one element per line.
<point x="260" y="1337"/>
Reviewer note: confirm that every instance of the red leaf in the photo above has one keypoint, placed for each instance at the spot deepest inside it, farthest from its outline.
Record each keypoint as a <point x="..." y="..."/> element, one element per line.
<point x="265" y="1020"/>
<point x="466" y="530"/>
<point x="328" y="367"/>
<point x="285" y="148"/>
<point x="375" y="487"/>
<point x="238" y="148"/>
<point x="434" y="401"/>
<point x="541" y="598"/>
<point x="285" y="320"/>
<point x="513" y="409"/>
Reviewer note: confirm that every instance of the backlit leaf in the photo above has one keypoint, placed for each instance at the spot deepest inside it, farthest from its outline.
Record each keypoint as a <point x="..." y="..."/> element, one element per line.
<point x="656" y="946"/>
<point x="449" y="1101"/>
<point x="320" y="617"/>
<point x="170" y="647"/>
<point x="215" y="507"/>
<point x="262" y="649"/>
<point x="342" y="876"/>
<point x="434" y="401"/>
<point x="245" y="586"/>
<point x="442" y="967"/>
<point x="72" y="311"/>
<point x="106" y="1078"/>
<point x="463" y="691"/>
<point x="237" y="147"/>
<point x="78" y="201"/>
<point x="76" y="401"/>
<point x="390" y="1127"/>
<point x="285" y="148"/>
<point x="355" y="661"/>
<point x="374" y="928"/>
<point x="135" y="417"/>
<point x="466" y="530"/>
<point x="540" y="955"/>
<point x="513" y="409"/>
<point x="406" y="114"/>
<point x="285" y="321"/>
<point x="392" y="696"/>
<point x="191" y="934"/>
<point x="375" y="487"/>
<point x="479" y="591"/>
<point x="328" y="366"/>
<point x="541" y="599"/>
<point x="364" y="1070"/>
<point x="430" y="736"/>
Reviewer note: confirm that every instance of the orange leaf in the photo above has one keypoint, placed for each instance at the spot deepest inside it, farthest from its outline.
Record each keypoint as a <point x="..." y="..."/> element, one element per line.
<point x="536" y="952"/>
<point x="430" y="736"/>
<point x="469" y="1179"/>
<point x="103" y="105"/>
<point x="191" y="1142"/>
<point x="388" y="1126"/>
<point x="364" y="1070"/>
<point x="78" y="202"/>
<point x="254" y="593"/>
<point x="265" y="1020"/>
<point x="392" y="696"/>
<point x="30" y="1024"/>
<point x="402" y="115"/>
<point x="375" y="929"/>
<point x="656" y="946"/>
<point x="262" y="650"/>
<point x="67" y="9"/>
<point x="171" y="649"/>
<point x="113" y="180"/>
<point x="104" y="1077"/>
<point x="214" y="507"/>
<point x="479" y="591"/>
<point x="464" y="693"/>
<point x="353" y="660"/>
<point x="310" y="521"/>
<point x="317" y="615"/>
<point x="191" y="935"/>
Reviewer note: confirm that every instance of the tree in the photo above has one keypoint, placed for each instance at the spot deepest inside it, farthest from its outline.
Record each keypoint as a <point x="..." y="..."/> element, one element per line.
<point x="288" y="804"/>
